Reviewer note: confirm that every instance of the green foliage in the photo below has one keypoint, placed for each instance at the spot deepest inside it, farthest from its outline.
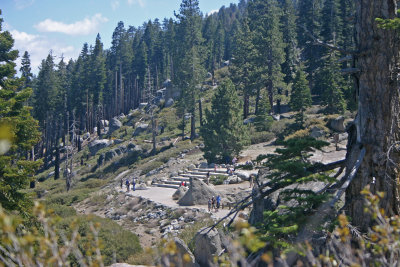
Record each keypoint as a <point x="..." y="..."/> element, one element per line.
<point x="113" y="239"/>
<point x="300" y="99"/>
<point x="217" y="179"/>
<point x="330" y="81"/>
<point x="223" y="132"/>
<point x="389" y="24"/>
<point x="263" y="120"/>
<point x="290" y="166"/>
<point x="18" y="131"/>
<point x="188" y="234"/>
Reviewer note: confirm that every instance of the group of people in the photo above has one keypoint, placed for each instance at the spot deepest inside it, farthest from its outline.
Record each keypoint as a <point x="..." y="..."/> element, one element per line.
<point x="214" y="203"/>
<point x="128" y="184"/>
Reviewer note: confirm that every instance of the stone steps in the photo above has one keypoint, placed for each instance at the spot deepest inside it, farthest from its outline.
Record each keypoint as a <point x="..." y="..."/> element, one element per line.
<point x="179" y="178"/>
<point x="193" y="176"/>
<point x="184" y="176"/>
<point x="172" y="182"/>
<point x="212" y="173"/>
<point x="167" y="185"/>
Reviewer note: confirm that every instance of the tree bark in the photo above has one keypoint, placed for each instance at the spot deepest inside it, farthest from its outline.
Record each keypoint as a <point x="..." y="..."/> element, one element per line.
<point x="376" y="127"/>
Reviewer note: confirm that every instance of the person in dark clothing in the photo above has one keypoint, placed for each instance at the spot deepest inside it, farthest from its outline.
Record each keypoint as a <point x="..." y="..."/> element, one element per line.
<point x="133" y="184"/>
<point x="127" y="185"/>
<point x="122" y="183"/>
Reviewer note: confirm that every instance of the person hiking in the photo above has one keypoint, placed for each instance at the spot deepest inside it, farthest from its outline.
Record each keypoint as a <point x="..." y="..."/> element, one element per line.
<point x="122" y="183"/>
<point x="209" y="204"/>
<point x="133" y="184"/>
<point x="213" y="203"/>
<point x="208" y="177"/>
<point x="127" y="185"/>
<point x="218" y="201"/>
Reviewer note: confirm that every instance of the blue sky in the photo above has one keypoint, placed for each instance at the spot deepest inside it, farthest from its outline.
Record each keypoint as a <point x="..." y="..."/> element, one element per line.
<point x="62" y="26"/>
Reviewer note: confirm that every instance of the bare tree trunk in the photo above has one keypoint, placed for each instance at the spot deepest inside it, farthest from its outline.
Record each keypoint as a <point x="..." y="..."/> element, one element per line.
<point x="200" y="113"/>
<point x="245" y="105"/>
<point x="376" y="127"/>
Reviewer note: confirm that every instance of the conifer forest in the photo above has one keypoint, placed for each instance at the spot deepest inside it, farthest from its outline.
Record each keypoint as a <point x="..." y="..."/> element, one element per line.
<point x="286" y="113"/>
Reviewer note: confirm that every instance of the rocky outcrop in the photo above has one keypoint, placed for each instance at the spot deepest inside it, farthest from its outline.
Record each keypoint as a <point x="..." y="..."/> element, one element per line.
<point x="140" y="128"/>
<point x="316" y="132"/>
<point x="110" y="155"/>
<point x="115" y="124"/>
<point x="96" y="145"/>
<point x="207" y="245"/>
<point x="198" y="193"/>
<point x="338" y="124"/>
<point x="169" y="103"/>
<point x="183" y="253"/>
<point x="180" y="192"/>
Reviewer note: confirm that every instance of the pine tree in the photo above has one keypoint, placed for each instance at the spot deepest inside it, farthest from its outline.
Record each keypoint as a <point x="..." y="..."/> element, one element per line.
<point x="190" y="72"/>
<point x="300" y="99"/>
<point x="292" y="51"/>
<point x="263" y="120"/>
<point x="289" y="166"/>
<point x="223" y="131"/>
<point x="18" y="130"/>
<point x="26" y="70"/>
<point x="309" y="16"/>
<point x="243" y="68"/>
<point x="268" y="40"/>
<point x="331" y="82"/>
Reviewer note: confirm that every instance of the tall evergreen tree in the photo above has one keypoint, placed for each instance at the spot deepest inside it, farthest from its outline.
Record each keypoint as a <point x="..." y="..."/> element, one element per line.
<point x="268" y="40"/>
<point x="190" y="72"/>
<point x="292" y="52"/>
<point x="330" y="82"/>
<point x="223" y="132"/>
<point x="26" y="70"/>
<point x="310" y="18"/>
<point x="300" y="99"/>
<point x="243" y="68"/>
<point x="18" y="130"/>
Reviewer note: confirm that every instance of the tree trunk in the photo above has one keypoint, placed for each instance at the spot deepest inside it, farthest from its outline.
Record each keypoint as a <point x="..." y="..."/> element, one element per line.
<point x="245" y="105"/>
<point x="377" y="121"/>
<point x="193" y="124"/>
<point x="200" y="113"/>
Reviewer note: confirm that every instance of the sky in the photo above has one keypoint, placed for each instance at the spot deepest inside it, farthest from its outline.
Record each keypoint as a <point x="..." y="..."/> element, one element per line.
<point x="63" y="26"/>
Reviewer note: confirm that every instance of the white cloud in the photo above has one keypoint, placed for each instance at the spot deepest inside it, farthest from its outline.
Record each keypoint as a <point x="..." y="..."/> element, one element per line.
<point x="141" y="3"/>
<point x="39" y="47"/>
<point x="212" y="12"/>
<point x="83" y="27"/>
<point x="114" y="4"/>
<point x="21" y="4"/>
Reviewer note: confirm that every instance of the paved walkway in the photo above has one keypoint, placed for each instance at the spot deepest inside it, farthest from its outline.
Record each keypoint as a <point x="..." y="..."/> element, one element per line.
<point x="163" y="196"/>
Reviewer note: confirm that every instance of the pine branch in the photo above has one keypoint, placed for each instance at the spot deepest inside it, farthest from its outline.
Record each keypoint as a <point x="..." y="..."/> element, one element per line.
<point x="346" y="180"/>
<point x="329" y="46"/>
<point x="319" y="167"/>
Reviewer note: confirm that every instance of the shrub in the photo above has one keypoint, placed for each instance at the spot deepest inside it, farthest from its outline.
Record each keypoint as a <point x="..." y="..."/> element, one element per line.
<point x="260" y="137"/>
<point x="217" y="179"/>
<point x="149" y="166"/>
<point x="187" y="234"/>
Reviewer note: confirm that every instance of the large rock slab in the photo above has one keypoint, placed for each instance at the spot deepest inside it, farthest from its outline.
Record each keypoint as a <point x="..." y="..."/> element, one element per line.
<point x="338" y="124"/>
<point x="96" y="145"/>
<point x="207" y="245"/>
<point x="110" y="155"/>
<point x="115" y="124"/>
<point x="169" y="103"/>
<point x="140" y="128"/>
<point x="198" y="193"/>
<point x="184" y="253"/>
<point x="180" y="192"/>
